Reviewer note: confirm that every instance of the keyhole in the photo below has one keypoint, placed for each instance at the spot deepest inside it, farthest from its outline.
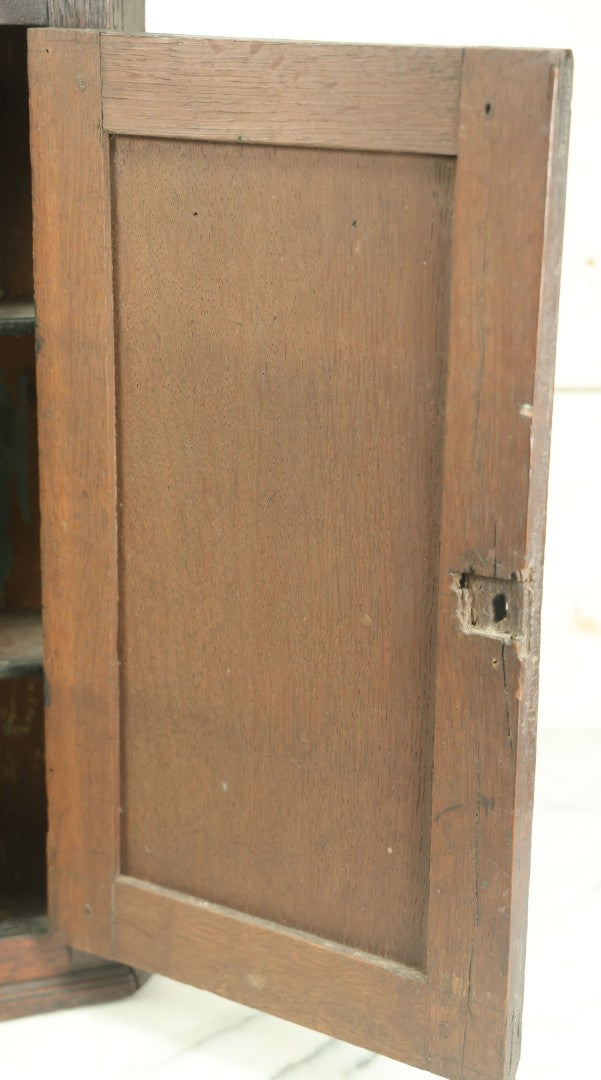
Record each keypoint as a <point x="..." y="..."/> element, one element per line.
<point x="499" y="607"/>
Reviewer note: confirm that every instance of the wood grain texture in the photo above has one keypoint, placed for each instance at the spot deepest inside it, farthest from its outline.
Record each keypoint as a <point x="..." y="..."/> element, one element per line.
<point x="381" y="1005"/>
<point x="128" y="15"/>
<point x="125" y="15"/>
<point x="40" y="973"/>
<point x="77" y="476"/>
<point x="463" y="1019"/>
<point x="30" y="957"/>
<point x="299" y="94"/>
<point x="560" y="91"/>
<point x="23" y="12"/>
<point x="278" y="526"/>
<point x="510" y="179"/>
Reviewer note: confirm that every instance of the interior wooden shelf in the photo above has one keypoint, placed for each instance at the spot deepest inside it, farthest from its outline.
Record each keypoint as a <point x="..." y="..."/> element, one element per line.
<point x="16" y="317"/>
<point x="22" y="915"/>
<point x="20" y="644"/>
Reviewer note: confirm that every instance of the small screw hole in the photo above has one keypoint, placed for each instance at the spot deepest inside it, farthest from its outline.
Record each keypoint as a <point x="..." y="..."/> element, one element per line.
<point x="499" y="607"/>
<point x="488" y="108"/>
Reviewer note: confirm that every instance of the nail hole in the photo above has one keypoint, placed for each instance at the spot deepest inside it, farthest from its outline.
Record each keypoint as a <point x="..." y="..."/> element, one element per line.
<point x="488" y="108"/>
<point x="499" y="607"/>
<point x="87" y="909"/>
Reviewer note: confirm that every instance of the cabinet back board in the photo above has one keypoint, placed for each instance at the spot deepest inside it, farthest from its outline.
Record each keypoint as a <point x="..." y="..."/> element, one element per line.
<point x="294" y="428"/>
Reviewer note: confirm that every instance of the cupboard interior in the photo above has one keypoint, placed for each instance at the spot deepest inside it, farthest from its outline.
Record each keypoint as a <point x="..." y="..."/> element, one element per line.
<point x="22" y="768"/>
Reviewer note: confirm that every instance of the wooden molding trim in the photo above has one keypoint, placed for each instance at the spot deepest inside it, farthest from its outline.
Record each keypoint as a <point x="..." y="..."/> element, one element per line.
<point x="40" y="973"/>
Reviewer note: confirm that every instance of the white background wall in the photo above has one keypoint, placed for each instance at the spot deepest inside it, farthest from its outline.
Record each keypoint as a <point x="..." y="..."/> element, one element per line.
<point x="571" y="644"/>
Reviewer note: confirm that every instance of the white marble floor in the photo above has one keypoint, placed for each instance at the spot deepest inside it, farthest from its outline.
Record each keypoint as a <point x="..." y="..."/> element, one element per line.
<point x="172" y="1032"/>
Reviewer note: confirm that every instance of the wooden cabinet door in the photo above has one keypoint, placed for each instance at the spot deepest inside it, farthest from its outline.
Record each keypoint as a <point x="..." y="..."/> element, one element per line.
<point x="296" y="309"/>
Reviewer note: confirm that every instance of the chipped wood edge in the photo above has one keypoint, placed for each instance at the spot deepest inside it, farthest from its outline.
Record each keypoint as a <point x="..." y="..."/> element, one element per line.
<point x="482" y="795"/>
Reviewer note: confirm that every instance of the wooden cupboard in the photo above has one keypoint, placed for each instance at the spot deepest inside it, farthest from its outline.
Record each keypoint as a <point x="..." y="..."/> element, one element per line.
<point x="294" y="423"/>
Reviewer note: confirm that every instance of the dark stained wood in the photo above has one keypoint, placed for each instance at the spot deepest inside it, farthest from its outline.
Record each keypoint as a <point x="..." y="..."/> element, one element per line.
<point x="22" y="797"/>
<point x="16" y="271"/>
<point x="267" y="614"/>
<point x="23" y="12"/>
<point x="22" y="780"/>
<point x="76" y="369"/>
<point x="19" y="495"/>
<point x="125" y="15"/>
<point x="275" y="468"/>
<point x="19" y="500"/>
<point x="297" y="93"/>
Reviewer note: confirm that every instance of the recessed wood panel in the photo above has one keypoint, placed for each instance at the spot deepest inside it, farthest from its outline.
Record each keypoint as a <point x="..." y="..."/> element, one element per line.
<point x="281" y="335"/>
